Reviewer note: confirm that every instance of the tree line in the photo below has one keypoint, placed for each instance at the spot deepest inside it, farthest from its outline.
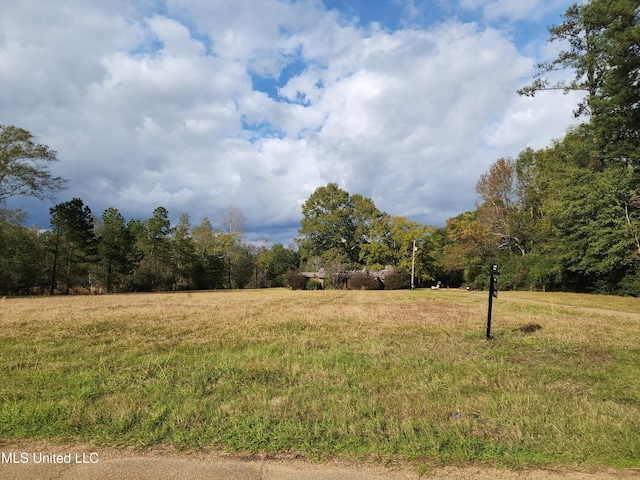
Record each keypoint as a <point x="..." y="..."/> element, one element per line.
<point x="108" y="254"/>
<point x="565" y="217"/>
<point x="84" y="253"/>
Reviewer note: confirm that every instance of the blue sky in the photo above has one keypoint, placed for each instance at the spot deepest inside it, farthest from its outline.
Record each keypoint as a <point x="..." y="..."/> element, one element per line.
<point x="199" y="105"/>
<point x="389" y="14"/>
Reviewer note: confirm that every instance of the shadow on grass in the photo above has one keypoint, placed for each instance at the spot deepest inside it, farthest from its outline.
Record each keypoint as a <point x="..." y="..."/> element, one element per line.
<point x="529" y="328"/>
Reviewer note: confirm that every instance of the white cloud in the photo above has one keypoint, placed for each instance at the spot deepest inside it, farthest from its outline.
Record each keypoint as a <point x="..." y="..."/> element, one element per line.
<point x="406" y="116"/>
<point x="151" y="108"/>
<point x="175" y="37"/>
<point x="494" y="10"/>
<point x="520" y="125"/>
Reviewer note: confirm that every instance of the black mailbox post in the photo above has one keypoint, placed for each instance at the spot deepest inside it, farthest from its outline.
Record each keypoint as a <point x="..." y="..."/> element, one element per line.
<point x="493" y="293"/>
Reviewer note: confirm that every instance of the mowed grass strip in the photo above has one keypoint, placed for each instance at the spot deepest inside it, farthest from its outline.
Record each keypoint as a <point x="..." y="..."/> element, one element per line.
<point x="373" y="374"/>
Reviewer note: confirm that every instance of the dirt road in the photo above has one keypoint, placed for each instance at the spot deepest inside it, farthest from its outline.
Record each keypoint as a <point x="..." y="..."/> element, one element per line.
<point x="30" y="460"/>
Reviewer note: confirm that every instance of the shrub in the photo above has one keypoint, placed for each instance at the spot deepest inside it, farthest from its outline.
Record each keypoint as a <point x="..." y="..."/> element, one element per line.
<point x="313" y="285"/>
<point x="294" y="280"/>
<point x="333" y="278"/>
<point x="630" y="285"/>
<point x="364" y="281"/>
<point x="397" y="279"/>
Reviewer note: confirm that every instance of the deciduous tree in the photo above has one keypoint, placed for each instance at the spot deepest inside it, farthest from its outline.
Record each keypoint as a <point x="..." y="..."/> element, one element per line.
<point x="25" y="166"/>
<point x="279" y="260"/>
<point x="391" y="243"/>
<point x="210" y="259"/>
<point x="500" y="208"/>
<point x="335" y="225"/>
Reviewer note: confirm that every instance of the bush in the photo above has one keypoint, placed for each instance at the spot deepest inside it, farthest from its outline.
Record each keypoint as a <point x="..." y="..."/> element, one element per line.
<point x="397" y="279"/>
<point x="313" y="285"/>
<point x="630" y="285"/>
<point x="364" y="281"/>
<point x="294" y="280"/>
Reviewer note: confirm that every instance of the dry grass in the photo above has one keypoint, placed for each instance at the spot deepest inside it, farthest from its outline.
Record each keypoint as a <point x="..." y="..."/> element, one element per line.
<point x="559" y="299"/>
<point x="354" y="373"/>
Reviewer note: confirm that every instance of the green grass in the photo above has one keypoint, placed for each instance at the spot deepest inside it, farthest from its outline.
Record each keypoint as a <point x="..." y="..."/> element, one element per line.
<point x="380" y="375"/>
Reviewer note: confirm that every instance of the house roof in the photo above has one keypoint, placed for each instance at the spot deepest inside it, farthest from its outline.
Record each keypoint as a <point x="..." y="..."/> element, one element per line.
<point x="381" y="274"/>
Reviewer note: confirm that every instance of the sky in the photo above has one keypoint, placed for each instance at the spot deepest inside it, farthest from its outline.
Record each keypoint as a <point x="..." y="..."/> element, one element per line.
<point x="203" y="105"/>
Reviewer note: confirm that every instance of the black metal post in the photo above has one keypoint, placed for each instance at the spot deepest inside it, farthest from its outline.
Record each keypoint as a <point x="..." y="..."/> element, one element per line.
<point x="493" y="292"/>
<point x="490" y="307"/>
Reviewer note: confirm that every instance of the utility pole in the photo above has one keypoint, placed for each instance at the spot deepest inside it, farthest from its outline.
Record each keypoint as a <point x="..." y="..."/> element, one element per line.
<point x="413" y="264"/>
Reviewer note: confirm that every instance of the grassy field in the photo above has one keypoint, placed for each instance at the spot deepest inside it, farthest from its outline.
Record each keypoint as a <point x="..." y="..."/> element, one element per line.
<point x="382" y="375"/>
